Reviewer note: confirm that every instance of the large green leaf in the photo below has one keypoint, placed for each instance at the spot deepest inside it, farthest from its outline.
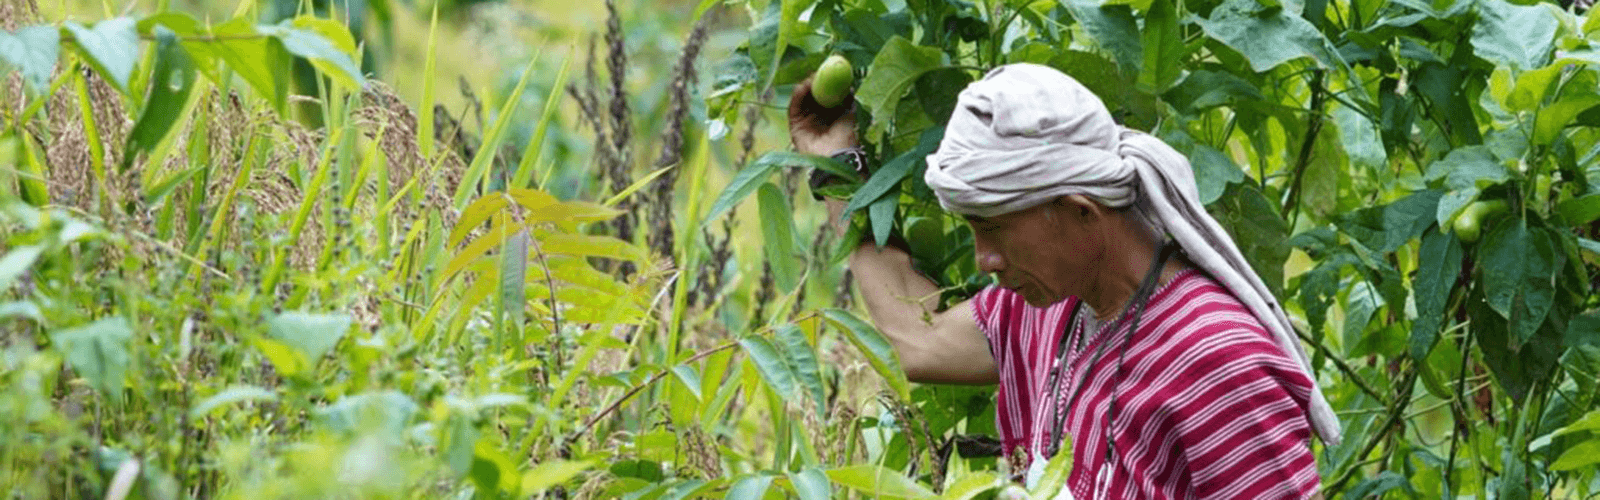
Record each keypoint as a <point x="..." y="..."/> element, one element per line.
<point x="883" y="180"/>
<point x="16" y="262"/>
<point x="112" y="47"/>
<point x="811" y="484"/>
<point x="893" y="72"/>
<point x="1163" y="48"/>
<point x="752" y="487"/>
<point x="777" y="229"/>
<point x="170" y="87"/>
<point x="1113" y="28"/>
<point x="1213" y="172"/>
<point x="1267" y="37"/>
<point x="1438" y="265"/>
<point x="771" y="365"/>
<point x="1519" y="265"/>
<point x="98" y="352"/>
<point x="1520" y="36"/>
<point x="231" y="395"/>
<point x="802" y="360"/>
<point x="33" y="51"/>
<point x="326" y="43"/>
<point x="1205" y="89"/>
<point x="311" y="335"/>
<point x="1257" y="228"/>
<point x="877" y="349"/>
<point x="260" y="61"/>
<point x="753" y="175"/>
<point x="878" y="482"/>
<point x="1386" y="228"/>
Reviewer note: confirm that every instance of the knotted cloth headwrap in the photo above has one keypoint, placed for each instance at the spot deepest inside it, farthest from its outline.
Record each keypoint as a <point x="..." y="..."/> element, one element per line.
<point x="1027" y="134"/>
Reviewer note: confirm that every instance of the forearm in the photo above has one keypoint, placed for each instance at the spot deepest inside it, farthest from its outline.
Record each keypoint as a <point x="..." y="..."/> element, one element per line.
<point x="900" y="301"/>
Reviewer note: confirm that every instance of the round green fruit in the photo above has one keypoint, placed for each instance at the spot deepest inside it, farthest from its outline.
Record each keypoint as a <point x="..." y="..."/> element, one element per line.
<point x="1469" y="225"/>
<point x="833" y="80"/>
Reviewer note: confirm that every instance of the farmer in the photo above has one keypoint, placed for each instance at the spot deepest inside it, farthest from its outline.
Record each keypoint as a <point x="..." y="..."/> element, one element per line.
<point x="1122" y="315"/>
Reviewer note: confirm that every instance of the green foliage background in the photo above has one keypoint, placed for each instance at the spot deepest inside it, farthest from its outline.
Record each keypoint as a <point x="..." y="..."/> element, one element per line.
<point x="238" y="263"/>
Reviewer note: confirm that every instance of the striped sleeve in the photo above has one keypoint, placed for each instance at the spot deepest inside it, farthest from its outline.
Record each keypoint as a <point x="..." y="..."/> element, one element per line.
<point x="1241" y="425"/>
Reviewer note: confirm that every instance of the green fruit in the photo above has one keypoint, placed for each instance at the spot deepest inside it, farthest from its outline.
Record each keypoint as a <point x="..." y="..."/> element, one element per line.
<point x="1469" y="224"/>
<point x="833" y="81"/>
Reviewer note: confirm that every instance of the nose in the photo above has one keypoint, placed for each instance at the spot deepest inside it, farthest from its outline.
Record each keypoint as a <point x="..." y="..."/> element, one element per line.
<point x="989" y="260"/>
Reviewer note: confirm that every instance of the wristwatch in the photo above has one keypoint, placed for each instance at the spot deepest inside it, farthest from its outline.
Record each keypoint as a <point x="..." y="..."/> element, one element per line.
<point x="853" y="157"/>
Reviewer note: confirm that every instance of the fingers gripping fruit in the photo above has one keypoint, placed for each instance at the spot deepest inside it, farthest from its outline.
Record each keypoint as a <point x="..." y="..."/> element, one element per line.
<point x="833" y="81"/>
<point x="1470" y="223"/>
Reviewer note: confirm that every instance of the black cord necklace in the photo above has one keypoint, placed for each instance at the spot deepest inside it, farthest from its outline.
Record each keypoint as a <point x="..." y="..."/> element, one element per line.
<point x="1135" y="310"/>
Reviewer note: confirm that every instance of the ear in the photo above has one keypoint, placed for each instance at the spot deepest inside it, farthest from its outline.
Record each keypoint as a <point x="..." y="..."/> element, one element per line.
<point x="1082" y="208"/>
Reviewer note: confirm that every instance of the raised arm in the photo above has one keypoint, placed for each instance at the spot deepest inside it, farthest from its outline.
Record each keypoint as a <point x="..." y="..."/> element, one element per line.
<point x="934" y="347"/>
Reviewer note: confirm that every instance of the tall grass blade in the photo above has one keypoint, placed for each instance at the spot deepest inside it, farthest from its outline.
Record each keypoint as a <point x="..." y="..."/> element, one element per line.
<point x="425" y="112"/>
<point x="532" y="151"/>
<point x="491" y="141"/>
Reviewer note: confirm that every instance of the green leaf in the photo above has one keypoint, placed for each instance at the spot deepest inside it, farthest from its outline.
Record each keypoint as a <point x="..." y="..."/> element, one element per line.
<point x="893" y="72"/>
<point x="112" y="47"/>
<point x="773" y="369"/>
<point x="1213" y="172"/>
<point x="260" y="61"/>
<point x="1514" y="35"/>
<point x="1579" y="211"/>
<point x="1438" y="265"/>
<point x="1579" y="456"/>
<point x="972" y="485"/>
<point x="318" y="50"/>
<point x="878" y="481"/>
<point x="1583" y="330"/>
<point x="1056" y="471"/>
<point x="312" y="335"/>
<point x="1113" y="28"/>
<point x="1384" y="229"/>
<point x="881" y="216"/>
<point x="513" y="281"/>
<point x="1360" y="138"/>
<point x="231" y="395"/>
<point x="553" y="473"/>
<point x="16" y="262"/>
<point x="802" y="360"/>
<point x="1205" y="89"/>
<point x="877" y="349"/>
<point x="1260" y="232"/>
<point x="882" y="181"/>
<point x="1519" y="266"/>
<point x="1163" y="48"/>
<point x="743" y="183"/>
<point x="33" y="51"/>
<point x="1532" y="87"/>
<point x="752" y="487"/>
<point x="777" y="229"/>
<point x="1589" y="422"/>
<point x="1552" y="119"/>
<point x="170" y="86"/>
<point x="811" y="484"/>
<point x="98" y="352"/>
<point x="1267" y="37"/>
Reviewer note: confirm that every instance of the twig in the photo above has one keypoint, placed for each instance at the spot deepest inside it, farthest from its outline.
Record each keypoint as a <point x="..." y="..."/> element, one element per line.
<point x="1354" y="377"/>
<point x="1397" y="408"/>
<point x="588" y="424"/>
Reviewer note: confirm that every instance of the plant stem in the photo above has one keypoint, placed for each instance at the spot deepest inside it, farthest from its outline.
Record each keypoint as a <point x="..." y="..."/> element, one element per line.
<point x="1307" y="145"/>
<point x="1396" y="408"/>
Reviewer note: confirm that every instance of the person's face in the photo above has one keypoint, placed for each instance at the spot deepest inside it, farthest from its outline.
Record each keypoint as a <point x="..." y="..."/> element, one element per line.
<point x="1045" y="253"/>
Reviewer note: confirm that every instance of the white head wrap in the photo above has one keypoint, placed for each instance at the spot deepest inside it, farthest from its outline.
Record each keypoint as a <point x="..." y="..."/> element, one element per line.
<point x="1027" y="134"/>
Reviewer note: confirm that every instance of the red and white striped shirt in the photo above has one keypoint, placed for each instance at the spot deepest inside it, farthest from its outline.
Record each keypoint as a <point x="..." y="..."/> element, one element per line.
<point x="1208" y="406"/>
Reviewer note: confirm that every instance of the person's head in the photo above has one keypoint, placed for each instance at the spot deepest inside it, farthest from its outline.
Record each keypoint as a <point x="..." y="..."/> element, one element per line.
<point x="1058" y="248"/>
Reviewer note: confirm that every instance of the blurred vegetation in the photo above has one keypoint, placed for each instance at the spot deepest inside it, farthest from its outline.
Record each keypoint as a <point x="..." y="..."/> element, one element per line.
<point x="391" y="249"/>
